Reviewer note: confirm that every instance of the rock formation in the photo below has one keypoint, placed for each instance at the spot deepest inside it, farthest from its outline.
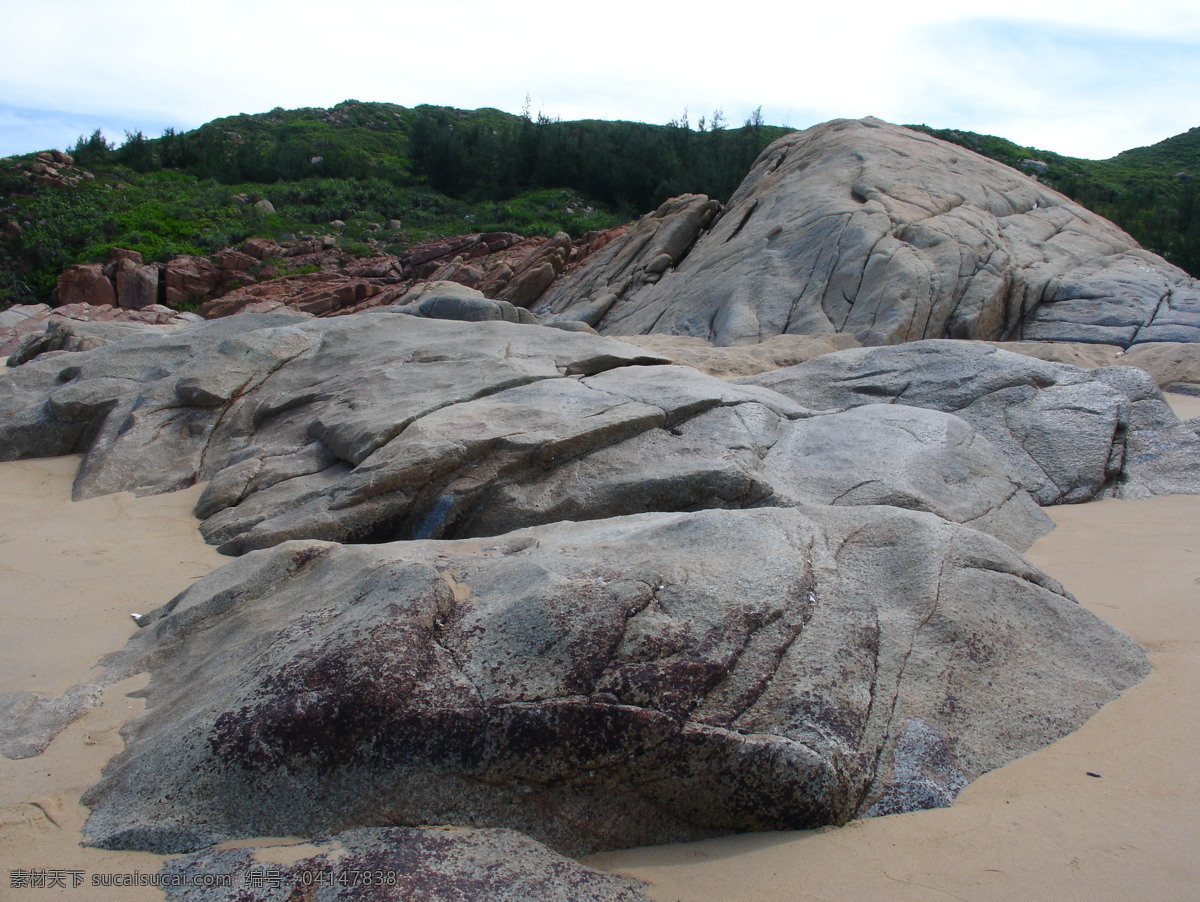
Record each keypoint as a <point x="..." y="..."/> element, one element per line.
<point x="313" y="276"/>
<point x="28" y="331"/>
<point x="53" y="168"/>
<point x="654" y="245"/>
<point x="1070" y="434"/>
<point x="584" y="594"/>
<point x="86" y="283"/>
<point x="385" y="426"/>
<point x="627" y="681"/>
<point x="893" y="236"/>
<point x="452" y="300"/>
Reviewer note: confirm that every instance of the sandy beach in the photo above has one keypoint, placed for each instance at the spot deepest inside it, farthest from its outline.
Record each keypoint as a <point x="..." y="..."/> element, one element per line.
<point x="72" y="573"/>
<point x="1040" y="828"/>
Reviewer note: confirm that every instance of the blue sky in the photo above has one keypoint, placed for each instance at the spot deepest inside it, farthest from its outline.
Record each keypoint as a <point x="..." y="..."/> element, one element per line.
<point x="1081" y="78"/>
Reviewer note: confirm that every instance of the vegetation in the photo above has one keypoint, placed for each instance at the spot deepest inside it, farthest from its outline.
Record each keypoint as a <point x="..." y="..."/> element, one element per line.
<point x="1150" y="192"/>
<point x="439" y="171"/>
<point x="442" y="171"/>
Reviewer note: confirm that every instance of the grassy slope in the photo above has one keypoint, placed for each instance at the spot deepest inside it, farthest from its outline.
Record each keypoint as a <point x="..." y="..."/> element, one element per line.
<point x="442" y="171"/>
<point x="439" y="171"/>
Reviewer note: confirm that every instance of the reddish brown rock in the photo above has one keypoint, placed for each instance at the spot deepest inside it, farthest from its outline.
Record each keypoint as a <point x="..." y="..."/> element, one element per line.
<point x="18" y="321"/>
<point x="261" y="248"/>
<point x="528" y="286"/>
<point x="381" y="267"/>
<point x="53" y="168"/>
<point x="235" y="261"/>
<point x="324" y="299"/>
<point x="469" y="247"/>
<point x="319" y="294"/>
<point x="117" y="254"/>
<point x="86" y="284"/>
<point x="501" y="265"/>
<point x="458" y="271"/>
<point x="496" y="279"/>
<point x="137" y="286"/>
<point x="594" y="241"/>
<point x="189" y="278"/>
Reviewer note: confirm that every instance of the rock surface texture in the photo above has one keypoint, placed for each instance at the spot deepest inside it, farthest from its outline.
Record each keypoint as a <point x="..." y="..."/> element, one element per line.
<point x="28" y="331"/>
<point x="891" y="235"/>
<point x="385" y="426"/>
<point x="401" y="865"/>
<point x="595" y="685"/>
<point x="1070" y="434"/>
<point x="588" y="596"/>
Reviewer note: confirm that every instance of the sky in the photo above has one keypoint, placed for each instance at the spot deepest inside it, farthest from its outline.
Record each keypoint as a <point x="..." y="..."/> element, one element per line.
<point x="1086" y="79"/>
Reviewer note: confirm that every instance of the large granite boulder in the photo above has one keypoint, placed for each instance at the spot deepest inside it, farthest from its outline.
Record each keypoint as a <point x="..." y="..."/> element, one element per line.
<point x="1071" y="434"/>
<point x="384" y="426"/>
<point x="891" y="235"/>
<point x="627" y="681"/>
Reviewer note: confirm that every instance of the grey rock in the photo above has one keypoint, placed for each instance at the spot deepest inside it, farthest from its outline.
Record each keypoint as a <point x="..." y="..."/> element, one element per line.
<point x="644" y="679"/>
<point x="1070" y="434"/>
<point x="448" y="300"/>
<point x="41" y="416"/>
<point x="1156" y="331"/>
<point x="401" y="864"/>
<point x="890" y="235"/>
<point x="18" y="313"/>
<point x="658" y="241"/>
<point x="382" y="427"/>
<point x="743" y="360"/>
<point x="905" y="457"/>
<point x="752" y="452"/>
<point x="74" y="335"/>
<point x="571" y="325"/>
<point x="467" y="309"/>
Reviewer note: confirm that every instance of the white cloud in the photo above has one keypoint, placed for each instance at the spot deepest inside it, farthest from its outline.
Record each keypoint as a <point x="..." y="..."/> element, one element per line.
<point x="1036" y="72"/>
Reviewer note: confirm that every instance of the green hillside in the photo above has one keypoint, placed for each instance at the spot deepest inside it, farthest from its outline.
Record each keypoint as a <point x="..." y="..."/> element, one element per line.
<point x="438" y="171"/>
